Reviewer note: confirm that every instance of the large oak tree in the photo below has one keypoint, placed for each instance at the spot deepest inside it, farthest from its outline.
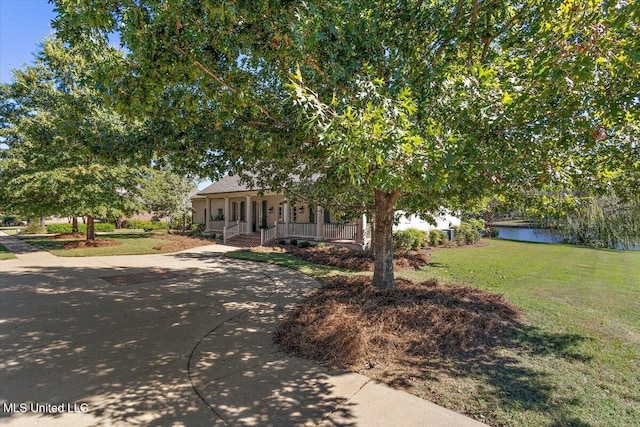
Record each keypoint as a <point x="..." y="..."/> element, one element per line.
<point x="383" y="105"/>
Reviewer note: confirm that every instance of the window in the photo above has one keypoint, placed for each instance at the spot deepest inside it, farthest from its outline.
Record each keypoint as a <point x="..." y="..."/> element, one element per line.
<point x="234" y="211"/>
<point x="243" y="211"/>
<point x="220" y="215"/>
<point x="312" y="215"/>
<point x="279" y="213"/>
<point x="295" y="214"/>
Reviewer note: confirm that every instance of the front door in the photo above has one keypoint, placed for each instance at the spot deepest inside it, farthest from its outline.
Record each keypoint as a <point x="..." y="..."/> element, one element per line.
<point x="264" y="214"/>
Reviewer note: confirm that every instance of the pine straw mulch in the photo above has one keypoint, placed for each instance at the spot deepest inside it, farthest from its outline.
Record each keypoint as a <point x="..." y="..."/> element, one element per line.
<point x="349" y="324"/>
<point x="178" y="242"/>
<point x="98" y="243"/>
<point x="354" y="260"/>
<point x="170" y="242"/>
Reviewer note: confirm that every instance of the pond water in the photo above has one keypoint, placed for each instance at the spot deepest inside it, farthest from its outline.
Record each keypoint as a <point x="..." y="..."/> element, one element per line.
<point x="536" y="235"/>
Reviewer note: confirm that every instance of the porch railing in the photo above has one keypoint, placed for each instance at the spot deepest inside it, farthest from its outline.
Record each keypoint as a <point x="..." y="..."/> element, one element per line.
<point x="340" y="231"/>
<point x="230" y="232"/>
<point x="216" y="225"/>
<point x="268" y="234"/>
<point x="302" y="229"/>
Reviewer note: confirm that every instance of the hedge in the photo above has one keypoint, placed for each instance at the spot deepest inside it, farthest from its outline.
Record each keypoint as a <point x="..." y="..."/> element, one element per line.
<point x="408" y="239"/>
<point x="144" y="224"/>
<point x="103" y="227"/>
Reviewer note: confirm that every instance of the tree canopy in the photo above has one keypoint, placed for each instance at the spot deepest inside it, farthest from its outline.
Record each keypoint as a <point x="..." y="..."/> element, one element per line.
<point x="52" y="121"/>
<point x="381" y="105"/>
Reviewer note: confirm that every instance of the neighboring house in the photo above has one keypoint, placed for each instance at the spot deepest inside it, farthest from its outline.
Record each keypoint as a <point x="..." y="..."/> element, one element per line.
<point x="231" y="208"/>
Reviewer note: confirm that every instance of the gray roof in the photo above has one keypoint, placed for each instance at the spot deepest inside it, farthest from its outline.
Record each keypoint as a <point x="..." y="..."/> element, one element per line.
<point x="228" y="184"/>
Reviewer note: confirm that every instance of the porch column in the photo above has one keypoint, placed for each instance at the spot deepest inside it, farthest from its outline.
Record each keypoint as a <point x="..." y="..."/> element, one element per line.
<point x="207" y="216"/>
<point x="319" y="223"/>
<point x="226" y="212"/>
<point x="249" y="216"/>
<point x="363" y="226"/>
<point x="285" y="217"/>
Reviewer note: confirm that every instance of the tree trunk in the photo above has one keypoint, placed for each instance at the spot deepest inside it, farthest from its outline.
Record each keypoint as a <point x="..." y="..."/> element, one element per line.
<point x="383" y="276"/>
<point x="91" y="232"/>
<point x="74" y="225"/>
<point x="42" y="222"/>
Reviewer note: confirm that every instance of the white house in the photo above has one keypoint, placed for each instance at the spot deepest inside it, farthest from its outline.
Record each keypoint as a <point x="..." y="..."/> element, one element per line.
<point x="230" y="208"/>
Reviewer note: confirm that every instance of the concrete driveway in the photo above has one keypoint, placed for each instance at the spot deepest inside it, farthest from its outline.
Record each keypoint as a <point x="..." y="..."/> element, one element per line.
<point x="170" y="340"/>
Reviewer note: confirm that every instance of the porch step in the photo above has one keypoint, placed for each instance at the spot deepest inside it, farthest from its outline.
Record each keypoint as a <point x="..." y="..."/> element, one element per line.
<point x="245" y="240"/>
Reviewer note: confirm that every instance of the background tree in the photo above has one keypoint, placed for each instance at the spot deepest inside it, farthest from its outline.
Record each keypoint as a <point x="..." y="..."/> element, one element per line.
<point x="167" y="194"/>
<point x="381" y="105"/>
<point x="52" y="120"/>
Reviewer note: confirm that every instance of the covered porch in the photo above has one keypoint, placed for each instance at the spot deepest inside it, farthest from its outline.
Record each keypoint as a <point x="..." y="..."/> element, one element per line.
<point x="274" y="217"/>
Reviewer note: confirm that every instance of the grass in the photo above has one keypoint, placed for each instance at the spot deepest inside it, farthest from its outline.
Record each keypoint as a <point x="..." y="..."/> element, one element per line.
<point x="11" y="231"/>
<point x="135" y="243"/>
<point x="573" y="363"/>
<point x="289" y="261"/>
<point x="5" y="253"/>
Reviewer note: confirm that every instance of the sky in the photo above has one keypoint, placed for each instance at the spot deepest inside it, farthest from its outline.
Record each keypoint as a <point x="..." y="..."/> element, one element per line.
<point x="23" y="25"/>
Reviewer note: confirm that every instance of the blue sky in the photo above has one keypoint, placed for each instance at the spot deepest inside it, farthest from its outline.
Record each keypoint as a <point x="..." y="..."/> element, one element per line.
<point x="23" y="25"/>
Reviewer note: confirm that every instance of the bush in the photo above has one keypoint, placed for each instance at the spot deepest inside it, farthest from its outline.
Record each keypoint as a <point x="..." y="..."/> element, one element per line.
<point x="305" y="244"/>
<point x="103" y="227"/>
<point x="293" y="242"/>
<point x="213" y="236"/>
<point x="145" y="224"/>
<point x="320" y="245"/>
<point x="436" y="237"/>
<point x="176" y="223"/>
<point x="33" y="228"/>
<point x="196" y="229"/>
<point x="282" y="242"/>
<point x="465" y="234"/>
<point x="408" y="239"/>
<point x="478" y="225"/>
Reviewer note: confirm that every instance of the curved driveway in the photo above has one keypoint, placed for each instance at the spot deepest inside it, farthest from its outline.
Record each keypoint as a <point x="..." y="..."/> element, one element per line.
<point x="178" y="339"/>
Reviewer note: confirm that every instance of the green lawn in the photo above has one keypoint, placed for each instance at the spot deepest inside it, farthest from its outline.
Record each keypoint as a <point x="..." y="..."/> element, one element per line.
<point x="131" y="244"/>
<point x="5" y="253"/>
<point x="11" y="231"/>
<point x="575" y="362"/>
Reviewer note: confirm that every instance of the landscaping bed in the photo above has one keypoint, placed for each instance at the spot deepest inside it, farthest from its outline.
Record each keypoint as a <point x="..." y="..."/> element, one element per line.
<point x="68" y="244"/>
<point x="348" y="323"/>
<point x="354" y="260"/>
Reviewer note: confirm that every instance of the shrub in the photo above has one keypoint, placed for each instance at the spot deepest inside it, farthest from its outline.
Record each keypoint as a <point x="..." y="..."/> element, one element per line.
<point x="145" y="224"/>
<point x="33" y="228"/>
<point x="282" y="242"/>
<point x="102" y="227"/>
<point x="176" y="223"/>
<point x="213" y="236"/>
<point x="465" y="234"/>
<point x="408" y="239"/>
<point x="294" y="242"/>
<point x="478" y="225"/>
<point x="320" y="245"/>
<point x="436" y="237"/>
<point x="196" y="229"/>
<point x="305" y="244"/>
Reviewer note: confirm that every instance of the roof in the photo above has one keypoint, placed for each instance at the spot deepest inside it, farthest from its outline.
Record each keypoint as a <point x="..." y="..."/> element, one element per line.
<point x="228" y="184"/>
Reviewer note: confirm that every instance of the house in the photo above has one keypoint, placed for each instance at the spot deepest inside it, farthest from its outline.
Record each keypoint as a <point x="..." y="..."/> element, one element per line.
<point x="230" y="208"/>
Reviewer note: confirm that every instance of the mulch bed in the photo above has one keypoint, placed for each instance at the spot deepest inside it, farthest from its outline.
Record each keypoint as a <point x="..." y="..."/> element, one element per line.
<point x="348" y="323"/>
<point x="98" y="243"/>
<point x="354" y="260"/>
<point x="177" y="242"/>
